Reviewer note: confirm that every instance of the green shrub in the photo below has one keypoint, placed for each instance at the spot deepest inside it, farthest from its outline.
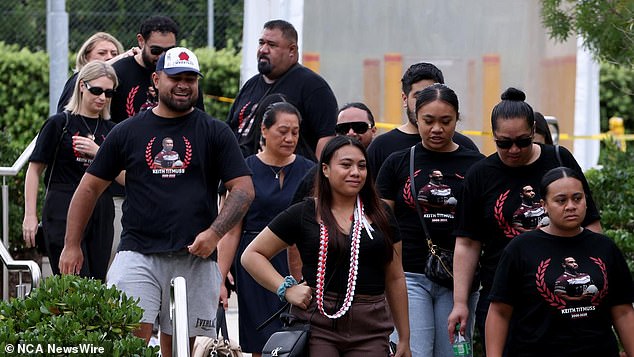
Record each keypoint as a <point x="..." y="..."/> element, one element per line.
<point x="613" y="190"/>
<point x="68" y="311"/>
<point x="221" y="81"/>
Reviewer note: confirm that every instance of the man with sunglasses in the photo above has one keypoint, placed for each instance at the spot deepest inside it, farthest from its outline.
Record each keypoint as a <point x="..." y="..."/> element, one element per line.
<point x="356" y="120"/>
<point x="136" y="91"/>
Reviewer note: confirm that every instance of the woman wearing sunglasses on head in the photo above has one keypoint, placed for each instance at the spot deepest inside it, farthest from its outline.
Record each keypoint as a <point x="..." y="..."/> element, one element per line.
<point x="500" y="201"/>
<point x="551" y="286"/>
<point x="65" y="147"/>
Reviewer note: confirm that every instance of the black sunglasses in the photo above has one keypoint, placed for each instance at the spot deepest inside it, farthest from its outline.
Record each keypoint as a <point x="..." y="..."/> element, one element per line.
<point x="520" y="143"/>
<point x="358" y="127"/>
<point x="99" y="91"/>
<point x="157" y="50"/>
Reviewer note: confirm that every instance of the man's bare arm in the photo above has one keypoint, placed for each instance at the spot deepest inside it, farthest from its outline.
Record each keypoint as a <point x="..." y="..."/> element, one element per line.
<point x="235" y="206"/>
<point x="239" y="198"/>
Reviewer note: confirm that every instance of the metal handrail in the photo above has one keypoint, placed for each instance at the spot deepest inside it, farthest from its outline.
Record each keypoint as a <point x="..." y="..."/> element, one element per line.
<point x="7" y="260"/>
<point x="20" y="162"/>
<point x="21" y="265"/>
<point x="178" y="315"/>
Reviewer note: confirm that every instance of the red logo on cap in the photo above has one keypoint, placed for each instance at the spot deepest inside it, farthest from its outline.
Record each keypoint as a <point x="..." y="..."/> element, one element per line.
<point x="183" y="56"/>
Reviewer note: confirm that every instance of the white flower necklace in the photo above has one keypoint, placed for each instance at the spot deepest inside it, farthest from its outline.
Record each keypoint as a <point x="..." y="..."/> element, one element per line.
<point x="359" y="222"/>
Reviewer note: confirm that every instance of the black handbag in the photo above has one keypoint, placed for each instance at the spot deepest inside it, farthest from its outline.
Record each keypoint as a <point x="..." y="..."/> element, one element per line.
<point x="291" y="341"/>
<point x="439" y="264"/>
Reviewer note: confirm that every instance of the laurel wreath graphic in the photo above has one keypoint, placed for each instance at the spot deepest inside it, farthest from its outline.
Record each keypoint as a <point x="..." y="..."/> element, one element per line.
<point x="596" y="300"/>
<point x="188" y="153"/>
<point x="508" y="230"/>
<point x="552" y="299"/>
<point x="129" y="104"/>
<point x="408" y="196"/>
<point x="241" y="122"/>
<point x="148" y="154"/>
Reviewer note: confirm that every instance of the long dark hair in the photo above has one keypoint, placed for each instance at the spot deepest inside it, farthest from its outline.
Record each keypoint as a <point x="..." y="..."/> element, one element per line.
<point x="374" y="207"/>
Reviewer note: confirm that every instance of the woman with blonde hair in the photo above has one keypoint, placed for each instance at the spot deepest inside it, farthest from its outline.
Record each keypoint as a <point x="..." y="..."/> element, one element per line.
<point x="100" y="46"/>
<point x="65" y="147"/>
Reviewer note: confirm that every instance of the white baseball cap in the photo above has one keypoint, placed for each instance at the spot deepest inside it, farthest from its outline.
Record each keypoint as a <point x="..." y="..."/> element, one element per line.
<point x="178" y="60"/>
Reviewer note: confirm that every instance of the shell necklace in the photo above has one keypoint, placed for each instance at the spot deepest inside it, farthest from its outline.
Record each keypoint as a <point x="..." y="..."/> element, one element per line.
<point x="359" y="223"/>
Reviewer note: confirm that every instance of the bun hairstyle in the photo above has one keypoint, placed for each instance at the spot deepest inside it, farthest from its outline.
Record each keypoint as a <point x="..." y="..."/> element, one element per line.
<point x="512" y="106"/>
<point x="513" y="94"/>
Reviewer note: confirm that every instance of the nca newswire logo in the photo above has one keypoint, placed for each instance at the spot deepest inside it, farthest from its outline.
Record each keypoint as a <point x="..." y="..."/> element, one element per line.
<point x="52" y="348"/>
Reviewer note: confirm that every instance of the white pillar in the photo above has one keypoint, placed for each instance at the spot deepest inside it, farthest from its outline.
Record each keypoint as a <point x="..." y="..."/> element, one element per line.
<point x="57" y="48"/>
<point x="587" y="114"/>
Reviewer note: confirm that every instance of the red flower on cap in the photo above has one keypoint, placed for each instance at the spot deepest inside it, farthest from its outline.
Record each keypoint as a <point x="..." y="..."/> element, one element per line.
<point x="183" y="56"/>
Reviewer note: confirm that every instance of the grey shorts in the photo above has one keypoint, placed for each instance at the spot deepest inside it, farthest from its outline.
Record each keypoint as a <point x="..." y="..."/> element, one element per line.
<point x="148" y="277"/>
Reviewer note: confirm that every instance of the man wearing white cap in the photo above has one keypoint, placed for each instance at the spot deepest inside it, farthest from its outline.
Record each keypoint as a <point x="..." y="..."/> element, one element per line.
<point x="171" y="224"/>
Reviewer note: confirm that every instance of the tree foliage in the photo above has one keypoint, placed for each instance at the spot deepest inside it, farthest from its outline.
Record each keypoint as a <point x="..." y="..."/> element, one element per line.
<point x="607" y="26"/>
<point x="617" y="95"/>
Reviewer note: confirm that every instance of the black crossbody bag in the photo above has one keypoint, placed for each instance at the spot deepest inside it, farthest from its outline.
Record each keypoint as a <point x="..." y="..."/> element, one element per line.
<point x="439" y="263"/>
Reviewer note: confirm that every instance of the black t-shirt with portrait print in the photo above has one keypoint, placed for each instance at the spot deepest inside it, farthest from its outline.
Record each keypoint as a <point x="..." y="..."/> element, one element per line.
<point x="136" y="92"/>
<point x="395" y="140"/>
<point x="165" y="208"/>
<point x="303" y="88"/>
<point x="545" y="323"/>
<point x="70" y="164"/>
<point x="493" y="195"/>
<point x="297" y="225"/>
<point x="437" y="200"/>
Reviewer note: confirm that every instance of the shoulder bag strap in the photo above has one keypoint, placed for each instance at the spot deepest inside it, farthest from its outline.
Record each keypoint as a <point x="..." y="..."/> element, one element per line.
<point x="430" y="244"/>
<point x="59" y="143"/>
<point x="558" y="154"/>
<point x="412" y="151"/>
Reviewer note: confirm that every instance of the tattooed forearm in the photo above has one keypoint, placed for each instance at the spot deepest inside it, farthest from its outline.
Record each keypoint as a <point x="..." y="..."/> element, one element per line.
<point x="233" y="210"/>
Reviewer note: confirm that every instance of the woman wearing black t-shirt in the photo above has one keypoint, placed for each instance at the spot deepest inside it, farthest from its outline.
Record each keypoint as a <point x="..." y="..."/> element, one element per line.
<point x="439" y="170"/>
<point x="550" y="292"/>
<point x="500" y="201"/>
<point x="351" y="254"/>
<point x="65" y="147"/>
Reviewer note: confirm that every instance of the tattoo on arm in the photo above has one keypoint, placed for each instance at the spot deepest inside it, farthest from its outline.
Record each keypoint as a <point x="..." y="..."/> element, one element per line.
<point x="232" y="212"/>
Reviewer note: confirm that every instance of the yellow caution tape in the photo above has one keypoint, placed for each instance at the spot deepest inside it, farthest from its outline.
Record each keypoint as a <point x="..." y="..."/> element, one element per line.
<point x="220" y="98"/>
<point x="562" y="136"/>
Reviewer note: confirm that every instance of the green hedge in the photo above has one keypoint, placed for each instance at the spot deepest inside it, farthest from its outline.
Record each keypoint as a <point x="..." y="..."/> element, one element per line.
<point x="613" y="190"/>
<point x="24" y="82"/>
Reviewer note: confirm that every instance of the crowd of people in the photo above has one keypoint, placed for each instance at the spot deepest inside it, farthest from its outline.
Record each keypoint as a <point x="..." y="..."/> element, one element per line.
<point x="294" y="201"/>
